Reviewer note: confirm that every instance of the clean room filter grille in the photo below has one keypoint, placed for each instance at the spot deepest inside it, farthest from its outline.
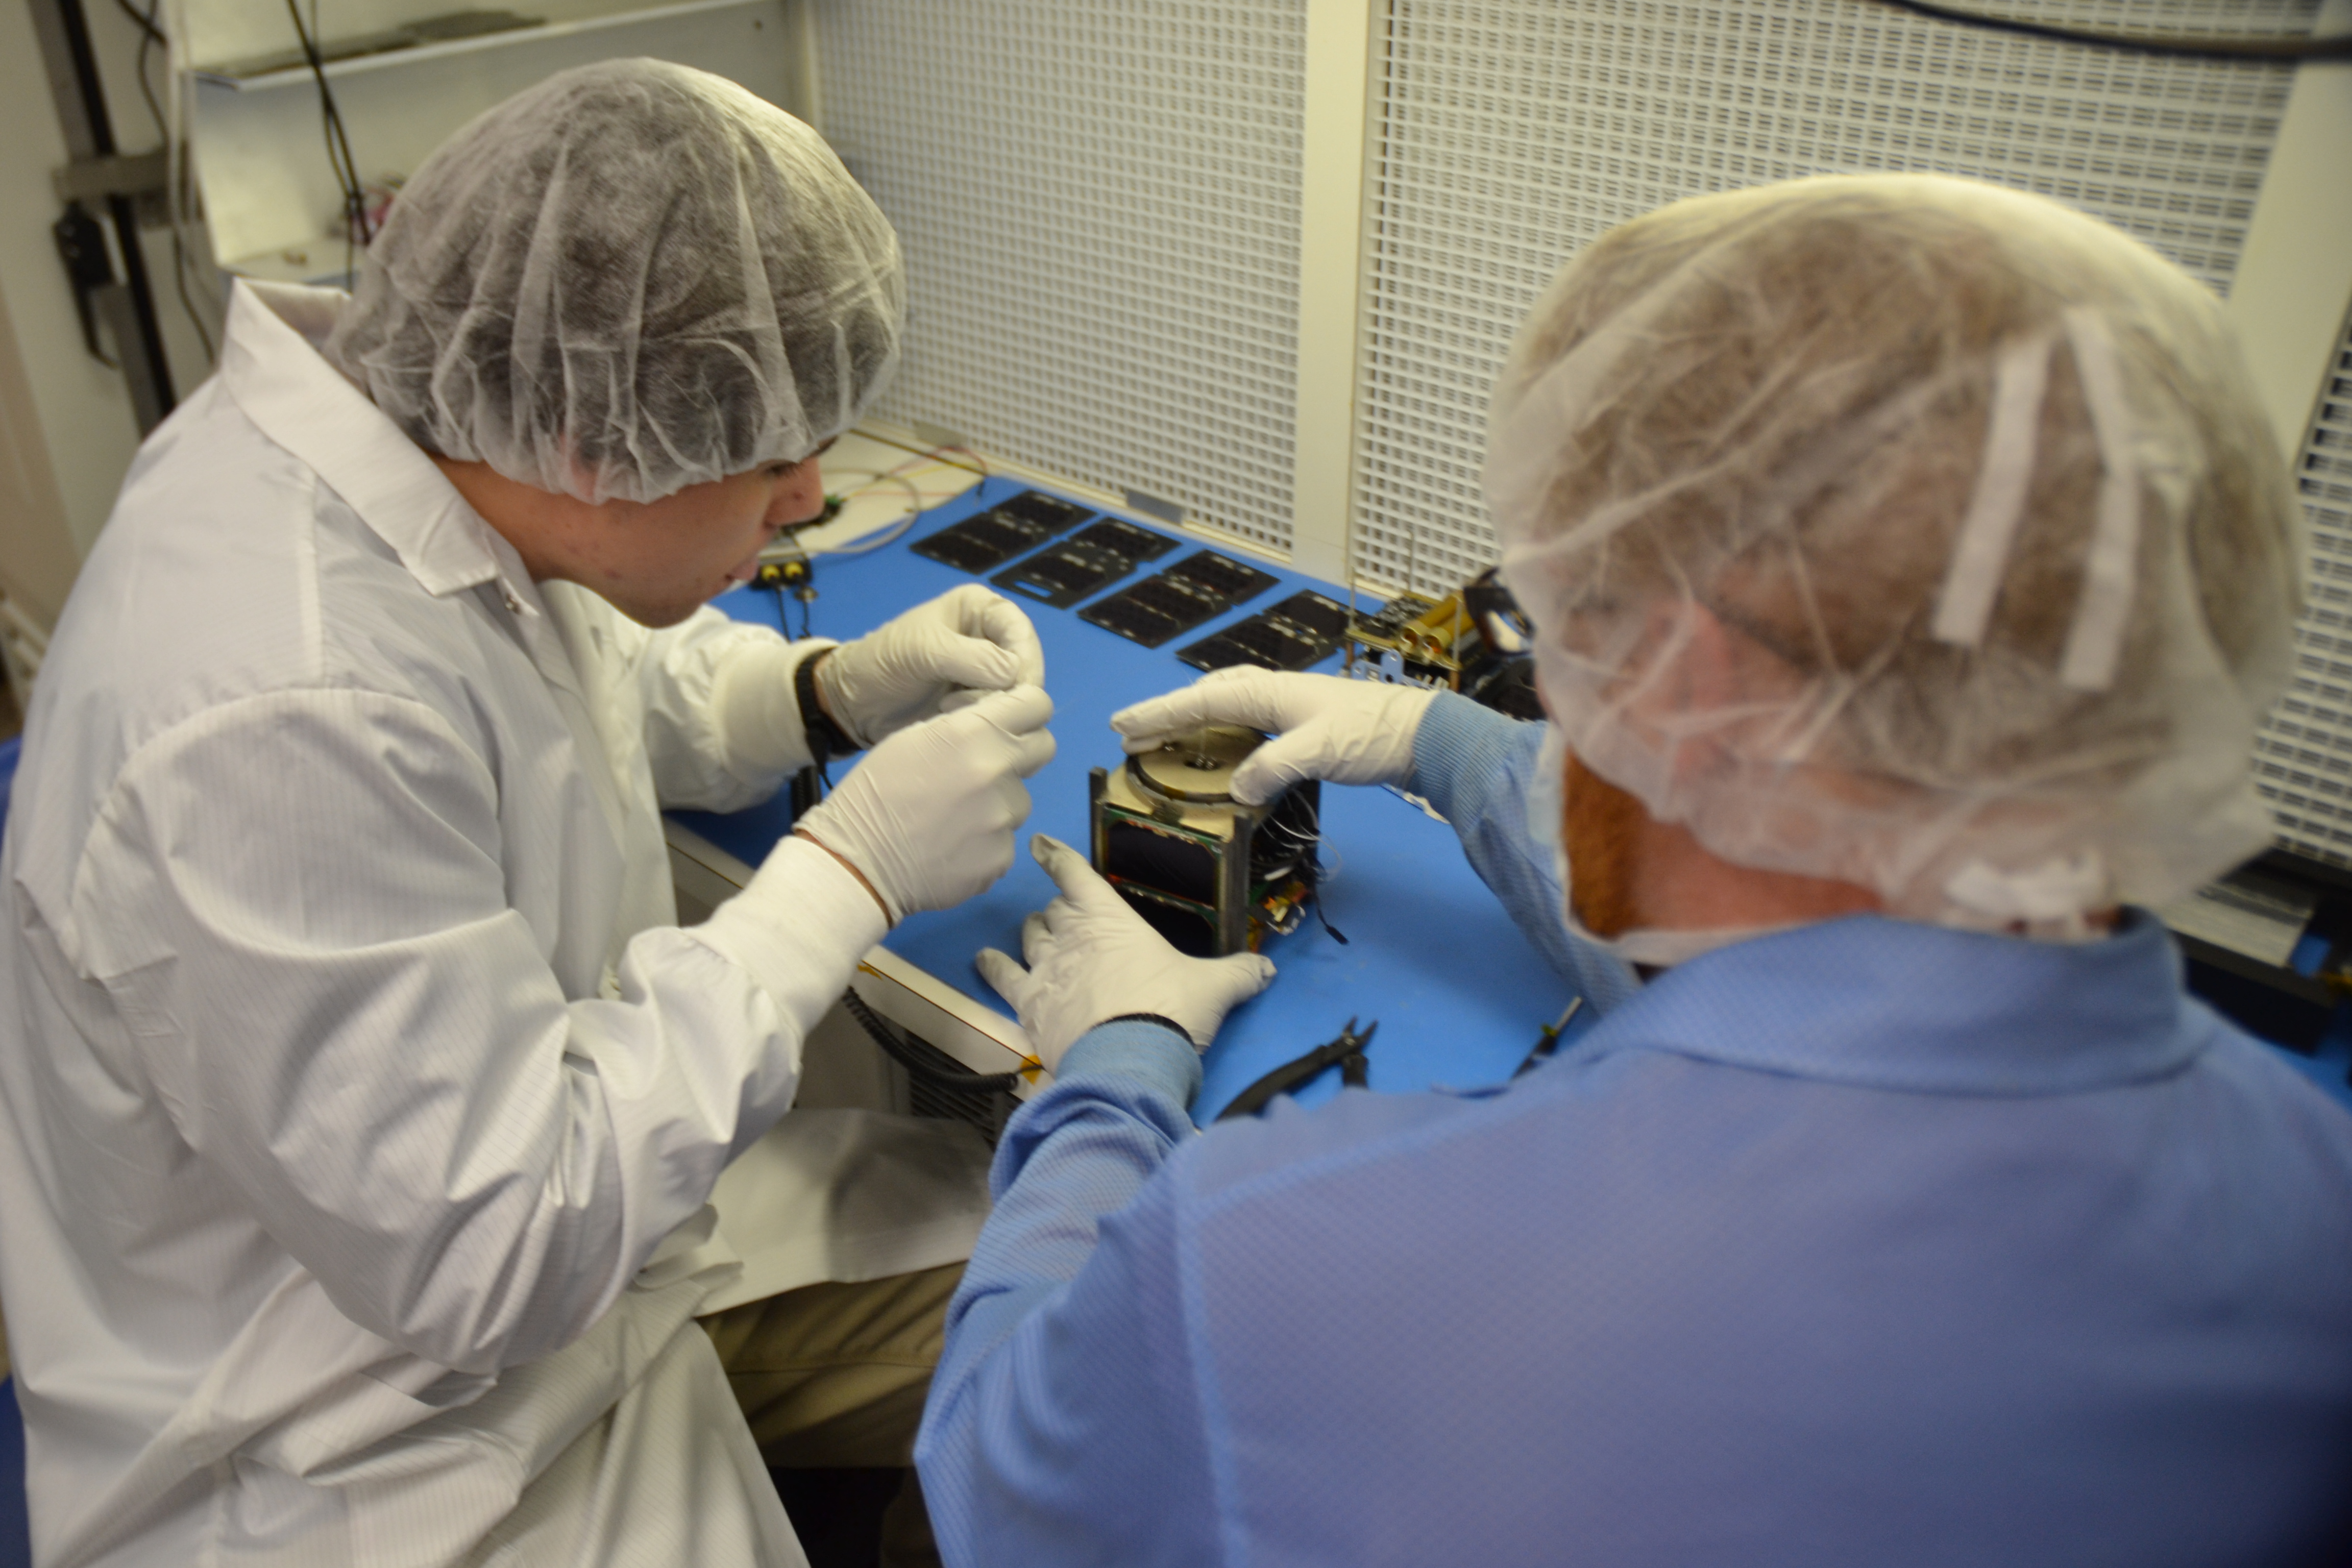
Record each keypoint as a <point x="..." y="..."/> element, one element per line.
<point x="2302" y="758"/>
<point x="1512" y="132"/>
<point x="1099" y="201"/>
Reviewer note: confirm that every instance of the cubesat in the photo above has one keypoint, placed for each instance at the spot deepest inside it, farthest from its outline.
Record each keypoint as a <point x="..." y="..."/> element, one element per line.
<point x="1213" y="875"/>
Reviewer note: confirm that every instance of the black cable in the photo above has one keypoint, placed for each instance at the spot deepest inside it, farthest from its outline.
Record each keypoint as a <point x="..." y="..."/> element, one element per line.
<point x="899" y="1051"/>
<point x="2195" y="47"/>
<point x="145" y="23"/>
<point x="150" y="34"/>
<point x="340" y="161"/>
<point x="331" y="112"/>
<point x="1310" y="869"/>
<point x="179" y="278"/>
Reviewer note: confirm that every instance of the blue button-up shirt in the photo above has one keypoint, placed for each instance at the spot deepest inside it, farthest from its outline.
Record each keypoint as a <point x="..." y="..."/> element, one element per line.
<point x="1868" y="1242"/>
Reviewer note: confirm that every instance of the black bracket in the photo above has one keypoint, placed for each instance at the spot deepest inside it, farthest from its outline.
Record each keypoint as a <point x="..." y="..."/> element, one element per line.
<point x="90" y="268"/>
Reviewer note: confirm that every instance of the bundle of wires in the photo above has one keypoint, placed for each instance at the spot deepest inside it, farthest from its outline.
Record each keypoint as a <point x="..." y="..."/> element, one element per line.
<point x="917" y="501"/>
<point x="354" y="190"/>
<point x="169" y="115"/>
<point x="170" y="118"/>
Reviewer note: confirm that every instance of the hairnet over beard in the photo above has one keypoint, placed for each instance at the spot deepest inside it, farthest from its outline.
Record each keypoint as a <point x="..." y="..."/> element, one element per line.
<point x="1906" y="532"/>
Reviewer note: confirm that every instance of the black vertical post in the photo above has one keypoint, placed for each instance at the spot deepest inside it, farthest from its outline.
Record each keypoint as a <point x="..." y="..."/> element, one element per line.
<point x="72" y="63"/>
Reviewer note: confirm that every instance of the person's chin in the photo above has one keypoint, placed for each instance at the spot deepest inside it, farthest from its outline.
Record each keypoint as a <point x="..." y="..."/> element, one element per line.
<point x="655" y="617"/>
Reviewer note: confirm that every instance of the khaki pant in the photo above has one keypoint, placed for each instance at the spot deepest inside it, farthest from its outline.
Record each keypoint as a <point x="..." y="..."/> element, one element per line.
<point x="833" y="1377"/>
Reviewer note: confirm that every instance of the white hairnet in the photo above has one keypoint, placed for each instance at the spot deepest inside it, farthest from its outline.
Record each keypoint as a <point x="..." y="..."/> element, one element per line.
<point x="631" y="278"/>
<point x="1905" y="530"/>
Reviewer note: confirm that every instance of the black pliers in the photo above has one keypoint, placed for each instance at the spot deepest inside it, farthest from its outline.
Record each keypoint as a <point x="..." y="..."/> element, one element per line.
<point x="1346" y="1053"/>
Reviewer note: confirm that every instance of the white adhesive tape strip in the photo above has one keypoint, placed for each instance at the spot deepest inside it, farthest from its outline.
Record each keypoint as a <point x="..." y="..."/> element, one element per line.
<point x="2021" y="375"/>
<point x="2096" y="640"/>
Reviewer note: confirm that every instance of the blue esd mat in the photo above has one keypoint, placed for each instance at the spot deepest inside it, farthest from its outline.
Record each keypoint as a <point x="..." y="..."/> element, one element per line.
<point x="1459" y="993"/>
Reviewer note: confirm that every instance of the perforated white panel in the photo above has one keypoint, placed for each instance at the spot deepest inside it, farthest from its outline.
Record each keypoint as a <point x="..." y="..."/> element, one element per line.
<point x="1099" y="201"/>
<point x="2303" y="757"/>
<point x="1515" y="130"/>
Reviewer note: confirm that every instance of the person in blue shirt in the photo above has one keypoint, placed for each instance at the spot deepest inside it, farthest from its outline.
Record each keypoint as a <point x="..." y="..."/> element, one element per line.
<point x="1909" y="564"/>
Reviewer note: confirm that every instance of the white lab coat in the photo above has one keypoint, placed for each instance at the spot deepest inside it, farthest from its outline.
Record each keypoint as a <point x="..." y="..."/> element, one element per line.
<point x="360" y="1104"/>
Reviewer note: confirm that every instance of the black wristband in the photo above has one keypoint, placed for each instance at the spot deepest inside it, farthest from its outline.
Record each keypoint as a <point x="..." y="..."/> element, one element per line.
<point x="1165" y="1022"/>
<point x="827" y="740"/>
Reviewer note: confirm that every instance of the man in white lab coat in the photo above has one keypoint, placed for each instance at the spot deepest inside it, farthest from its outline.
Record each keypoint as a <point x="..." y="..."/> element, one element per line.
<point x="362" y="1098"/>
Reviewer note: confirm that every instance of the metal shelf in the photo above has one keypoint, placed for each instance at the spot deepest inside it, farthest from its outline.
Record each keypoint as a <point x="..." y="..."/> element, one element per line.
<point x="270" y="197"/>
<point x="395" y="59"/>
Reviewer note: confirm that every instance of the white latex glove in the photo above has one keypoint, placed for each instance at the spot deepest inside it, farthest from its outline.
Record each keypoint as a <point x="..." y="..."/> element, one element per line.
<point x="904" y="672"/>
<point x="1092" y="959"/>
<point x="1324" y="726"/>
<point x="928" y="817"/>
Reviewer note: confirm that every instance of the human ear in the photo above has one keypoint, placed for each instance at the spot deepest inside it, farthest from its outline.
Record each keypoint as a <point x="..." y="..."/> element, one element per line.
<point x="1689" y="686"/>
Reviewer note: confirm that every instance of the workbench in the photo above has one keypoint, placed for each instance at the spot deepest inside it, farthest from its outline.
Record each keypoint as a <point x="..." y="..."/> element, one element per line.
<point x="1459" y="993"/>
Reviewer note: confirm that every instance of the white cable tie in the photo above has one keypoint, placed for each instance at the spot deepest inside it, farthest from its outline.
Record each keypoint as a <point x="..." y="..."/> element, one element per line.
<point x="1980" y="556"/>
<point x="2097" y="638"/>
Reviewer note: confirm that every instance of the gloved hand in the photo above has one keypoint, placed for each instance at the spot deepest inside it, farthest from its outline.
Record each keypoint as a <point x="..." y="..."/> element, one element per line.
<point x="1092" y="958"/>
<point x="928" y="817"/>
<point x="1324" y="726"/>
<point x="904" y="672"/>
